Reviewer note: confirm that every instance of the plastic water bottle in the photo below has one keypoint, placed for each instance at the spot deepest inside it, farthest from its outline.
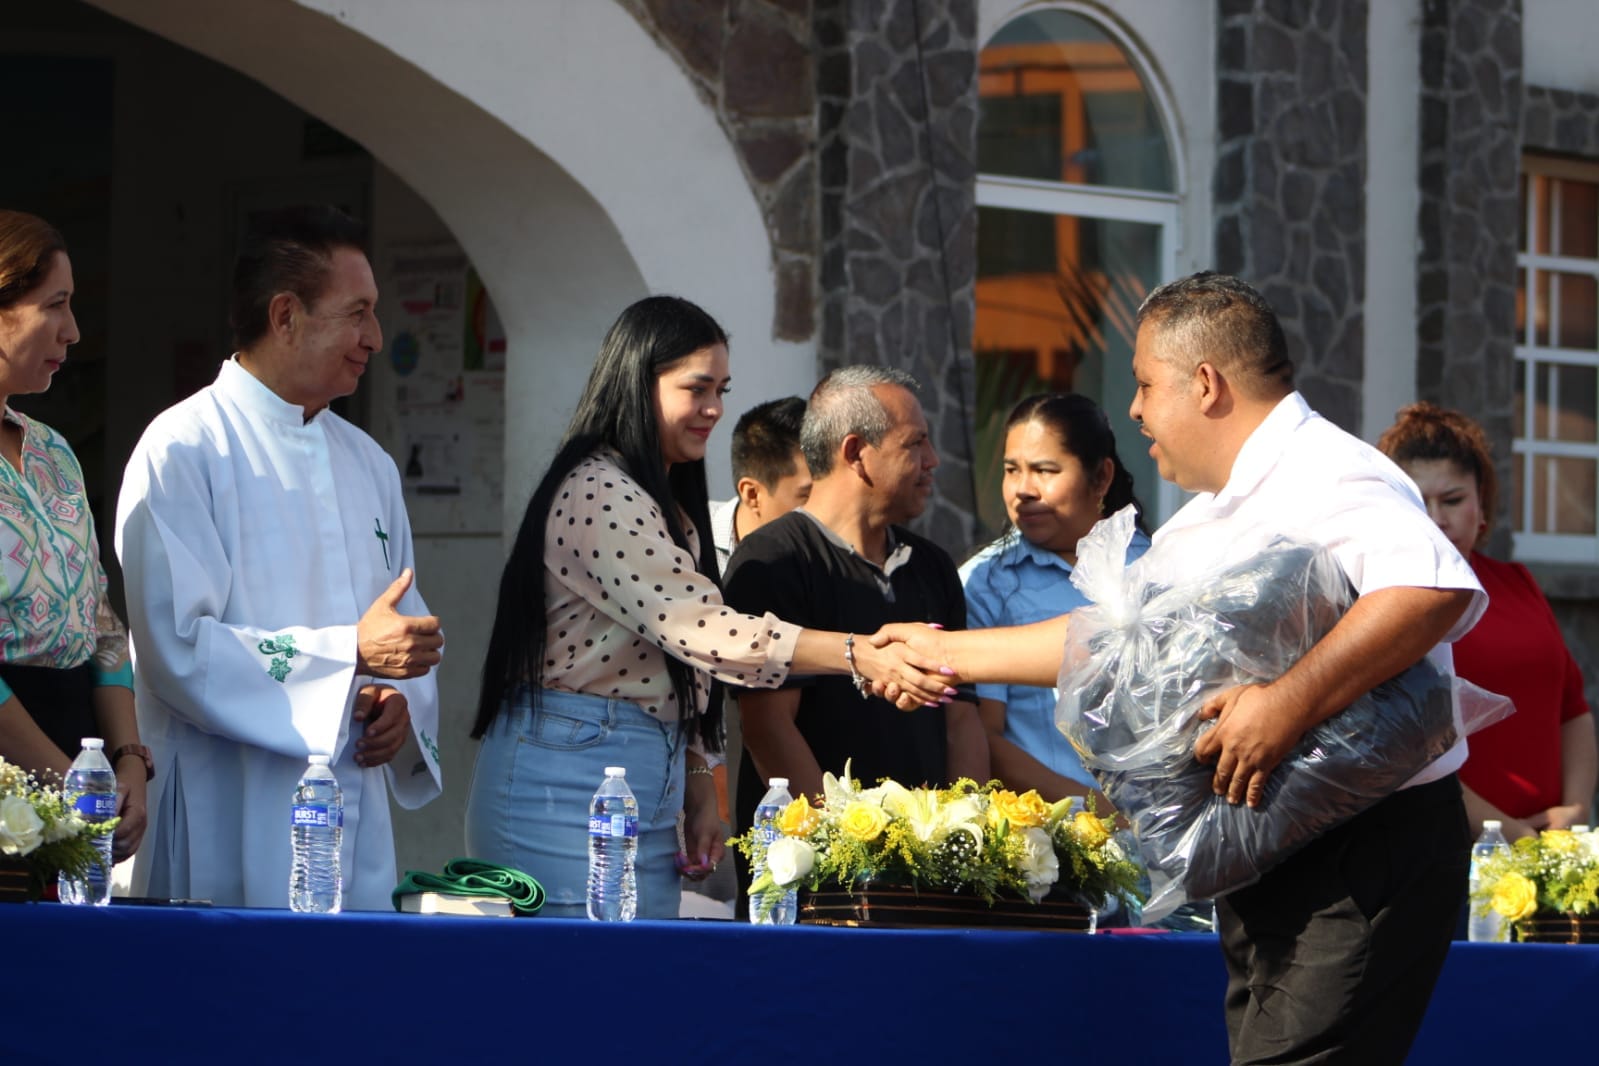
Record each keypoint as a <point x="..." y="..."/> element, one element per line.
<point x="91" y="787"/>
<point x="316" y="833"/>
<point x="1489" y="926"/>
<point x="613" y="847"/>
<point x="777" y="797"/>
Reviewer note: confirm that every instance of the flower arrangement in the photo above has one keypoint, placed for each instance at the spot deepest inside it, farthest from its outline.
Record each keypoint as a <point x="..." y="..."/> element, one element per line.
<point x="977" y="839"/>
<point x="39" y="828"/>
<point x="1553" y="873"/>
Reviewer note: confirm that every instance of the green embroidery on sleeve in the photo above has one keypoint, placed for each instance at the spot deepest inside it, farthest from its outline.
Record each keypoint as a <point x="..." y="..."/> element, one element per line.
<point x="281" y="649"/>
<point x="427" y="742"/>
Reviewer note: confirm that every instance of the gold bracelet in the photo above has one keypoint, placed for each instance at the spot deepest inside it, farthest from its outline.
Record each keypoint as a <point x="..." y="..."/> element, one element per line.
<point x="706" y="770"/>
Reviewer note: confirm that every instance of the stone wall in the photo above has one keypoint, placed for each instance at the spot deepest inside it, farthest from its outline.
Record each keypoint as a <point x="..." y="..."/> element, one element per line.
<point x="1290" y="180"/>
<point x="897" y="107"/>
<point x="1470" y="145"/>
<point x="855" y="121"/>
<point x="752" y="61"/>
<point x="1560" y="121"/>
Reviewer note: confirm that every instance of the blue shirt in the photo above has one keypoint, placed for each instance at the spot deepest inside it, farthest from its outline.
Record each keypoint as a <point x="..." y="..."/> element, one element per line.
<point x="1012" y="582"/>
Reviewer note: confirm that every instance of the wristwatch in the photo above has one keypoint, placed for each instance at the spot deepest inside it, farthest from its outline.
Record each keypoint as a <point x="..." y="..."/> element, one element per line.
<point x="135" y="749"/>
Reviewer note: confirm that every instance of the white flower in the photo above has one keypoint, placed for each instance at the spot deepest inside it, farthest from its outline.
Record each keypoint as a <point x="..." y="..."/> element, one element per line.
<point x="839" y="792"/>
<point x="965" y="812"/>
<point x="20" y="826"/>
<point x="788" y="859"/>
<point x="919" y="808"/>
<point x="1113" y="850"/>
<point x="1039" y="864"/>
<point x="69" y="825"/>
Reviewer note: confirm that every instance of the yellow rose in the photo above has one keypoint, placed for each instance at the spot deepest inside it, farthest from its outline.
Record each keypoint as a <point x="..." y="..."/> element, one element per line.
<point x="798" y="819"/>
<point x="1560" y="841"/>
<point x="1515" y="897"/>
<point x="1089" y="830"/>
<point x="863" y="821"/>
<point x="1027" y="811"/>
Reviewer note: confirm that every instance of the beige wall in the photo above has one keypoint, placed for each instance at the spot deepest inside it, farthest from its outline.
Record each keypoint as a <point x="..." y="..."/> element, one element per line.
<point x="1557" y="42"/>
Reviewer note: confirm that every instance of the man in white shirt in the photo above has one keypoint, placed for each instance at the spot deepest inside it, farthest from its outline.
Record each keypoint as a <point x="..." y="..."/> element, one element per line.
<point x="1333" y="954"/>
<point x="770" y="477"/>
<point x="268" y="563"/>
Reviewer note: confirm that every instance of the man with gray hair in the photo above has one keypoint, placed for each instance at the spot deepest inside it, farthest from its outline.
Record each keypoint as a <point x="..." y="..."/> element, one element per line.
<point x="843" y="561"/>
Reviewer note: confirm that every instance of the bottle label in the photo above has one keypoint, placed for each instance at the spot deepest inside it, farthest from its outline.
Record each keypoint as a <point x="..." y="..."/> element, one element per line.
<point x="315" y="816"/>
<point x="612" y="825"/>
<point x="96" y="806"/>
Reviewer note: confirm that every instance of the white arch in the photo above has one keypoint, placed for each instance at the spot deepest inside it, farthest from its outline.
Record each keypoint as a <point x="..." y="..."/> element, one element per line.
<point x="567" y="152"/>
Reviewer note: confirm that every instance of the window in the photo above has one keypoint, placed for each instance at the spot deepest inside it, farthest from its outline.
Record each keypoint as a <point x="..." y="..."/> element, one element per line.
<point x="1554" y="499"/>
<point x="1077" y="221"/>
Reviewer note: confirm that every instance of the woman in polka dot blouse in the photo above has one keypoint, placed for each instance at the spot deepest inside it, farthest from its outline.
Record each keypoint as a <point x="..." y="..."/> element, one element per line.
<point x="610" y="627"/>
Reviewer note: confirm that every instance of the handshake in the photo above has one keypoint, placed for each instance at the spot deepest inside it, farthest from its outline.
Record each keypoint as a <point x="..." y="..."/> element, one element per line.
<point x="913" y="665"/>
<point x="903" y="663"/>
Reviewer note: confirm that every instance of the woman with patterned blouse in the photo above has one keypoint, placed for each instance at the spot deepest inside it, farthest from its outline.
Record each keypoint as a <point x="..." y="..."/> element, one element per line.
<point x="64" y="669"/>
<point x="610" y="627"/>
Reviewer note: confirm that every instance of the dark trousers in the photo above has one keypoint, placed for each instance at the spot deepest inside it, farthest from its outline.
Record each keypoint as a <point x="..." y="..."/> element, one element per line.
<point x="60" y="700"/>
<point x="1332" y="956"/>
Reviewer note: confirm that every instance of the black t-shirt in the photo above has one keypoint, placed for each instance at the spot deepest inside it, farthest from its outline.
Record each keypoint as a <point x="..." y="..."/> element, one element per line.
<point x="794" y="568"/>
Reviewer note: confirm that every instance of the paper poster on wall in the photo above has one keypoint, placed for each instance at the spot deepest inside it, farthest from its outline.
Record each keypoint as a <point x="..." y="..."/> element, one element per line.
<point x="445" y="380"/>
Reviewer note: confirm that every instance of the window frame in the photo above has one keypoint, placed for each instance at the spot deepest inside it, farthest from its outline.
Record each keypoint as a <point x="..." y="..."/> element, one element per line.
<point x="1106" y="202"/>
<point x="1530" y="357"/>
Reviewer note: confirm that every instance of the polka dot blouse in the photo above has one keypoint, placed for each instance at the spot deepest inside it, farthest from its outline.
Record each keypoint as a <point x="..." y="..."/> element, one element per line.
<point x="620" y="597"/>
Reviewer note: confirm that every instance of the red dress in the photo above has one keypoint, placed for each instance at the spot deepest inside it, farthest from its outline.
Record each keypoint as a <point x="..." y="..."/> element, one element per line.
<point x="1517" y="650"/>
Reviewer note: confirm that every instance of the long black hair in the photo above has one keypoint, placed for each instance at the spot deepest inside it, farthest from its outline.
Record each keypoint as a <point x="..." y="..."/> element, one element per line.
<point x="616" y="411"/>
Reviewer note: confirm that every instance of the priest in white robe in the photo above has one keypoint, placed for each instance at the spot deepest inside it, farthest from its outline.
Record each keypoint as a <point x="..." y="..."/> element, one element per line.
<point x="268" y="565"/>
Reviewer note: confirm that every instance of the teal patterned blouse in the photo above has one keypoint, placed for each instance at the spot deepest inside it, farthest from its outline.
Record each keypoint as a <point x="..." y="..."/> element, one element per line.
<point x="53" y="606"/>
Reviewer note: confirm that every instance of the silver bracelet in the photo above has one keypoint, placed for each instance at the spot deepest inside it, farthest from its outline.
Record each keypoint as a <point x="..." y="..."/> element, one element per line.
<point x="863" y="686"/>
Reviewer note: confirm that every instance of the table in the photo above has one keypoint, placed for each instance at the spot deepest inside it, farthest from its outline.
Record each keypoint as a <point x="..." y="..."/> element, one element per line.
<point x="268" y="986"/>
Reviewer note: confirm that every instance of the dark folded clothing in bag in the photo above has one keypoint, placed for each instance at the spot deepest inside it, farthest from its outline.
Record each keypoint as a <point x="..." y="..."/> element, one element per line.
<point x="1139" y="669"/>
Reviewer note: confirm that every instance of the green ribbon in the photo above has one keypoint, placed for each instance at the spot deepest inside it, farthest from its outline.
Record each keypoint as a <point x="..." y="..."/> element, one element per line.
<point x="474" y="877"/>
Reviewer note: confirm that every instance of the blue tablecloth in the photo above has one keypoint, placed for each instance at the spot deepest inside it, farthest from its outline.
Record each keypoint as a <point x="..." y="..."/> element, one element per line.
<point x="214" y="985"/>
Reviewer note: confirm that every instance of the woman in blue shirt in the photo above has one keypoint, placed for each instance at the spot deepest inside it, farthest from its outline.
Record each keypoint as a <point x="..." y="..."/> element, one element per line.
<point x="1062" y="474"/>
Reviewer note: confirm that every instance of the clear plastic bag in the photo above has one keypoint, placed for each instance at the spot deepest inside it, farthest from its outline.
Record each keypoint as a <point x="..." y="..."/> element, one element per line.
<point x="1140" y="663"/>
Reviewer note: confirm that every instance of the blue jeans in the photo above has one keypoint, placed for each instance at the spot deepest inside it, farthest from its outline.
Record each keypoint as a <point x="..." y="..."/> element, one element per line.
<point x="538" y="769"/>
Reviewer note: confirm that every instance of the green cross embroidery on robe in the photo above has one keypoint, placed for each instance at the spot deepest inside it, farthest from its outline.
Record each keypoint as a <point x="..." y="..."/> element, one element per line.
<point x="281" y="649"/>
<point x="383" y="538"/>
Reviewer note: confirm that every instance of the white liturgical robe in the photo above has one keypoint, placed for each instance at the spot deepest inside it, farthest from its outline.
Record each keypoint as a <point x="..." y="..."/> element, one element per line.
<point x="252" y="541"/>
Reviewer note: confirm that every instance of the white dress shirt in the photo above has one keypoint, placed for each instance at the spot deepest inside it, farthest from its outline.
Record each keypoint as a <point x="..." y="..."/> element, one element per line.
<point x="1299" y="474"/>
